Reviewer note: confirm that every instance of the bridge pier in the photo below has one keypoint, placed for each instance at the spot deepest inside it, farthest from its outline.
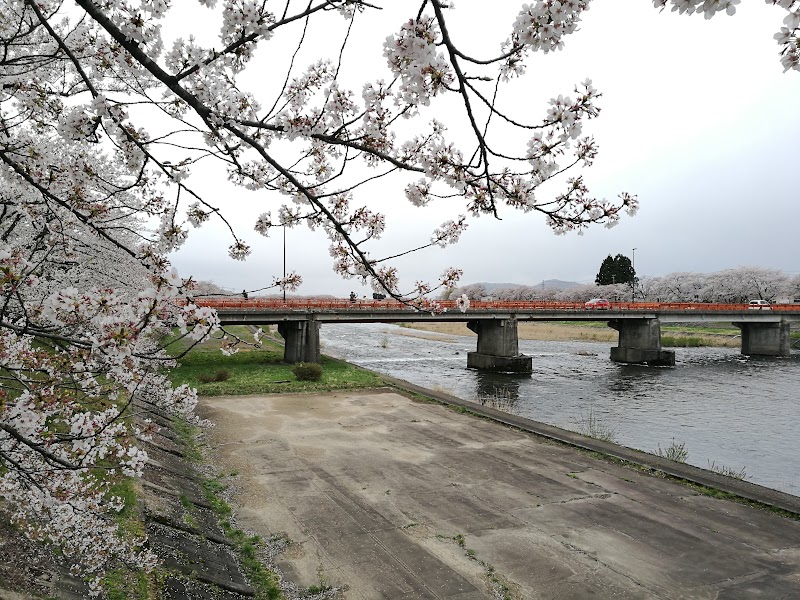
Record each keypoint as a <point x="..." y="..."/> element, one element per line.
<point x="301" y="341"/>
<point x="640" y="343"/>
<point x="498" y="347"/>
<point x="765" y="339"/>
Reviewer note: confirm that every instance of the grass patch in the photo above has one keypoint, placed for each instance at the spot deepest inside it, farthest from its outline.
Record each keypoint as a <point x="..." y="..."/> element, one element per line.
<point x="187" y="435"/>
<point x="265" y="582"/>
<point x="129" y="519"/>
<point x="680" y="341"/>
<point x="259" y="370"/>
<point x="123" y="584"/>
<point x="683" y="328"/>
<point x="318" y="589"/>
<point x="591" y="324"/>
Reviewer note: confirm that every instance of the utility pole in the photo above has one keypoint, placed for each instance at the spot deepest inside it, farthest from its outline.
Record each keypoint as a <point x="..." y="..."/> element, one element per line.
<point x="633" y="282"/>
<point x="284" y="264"/>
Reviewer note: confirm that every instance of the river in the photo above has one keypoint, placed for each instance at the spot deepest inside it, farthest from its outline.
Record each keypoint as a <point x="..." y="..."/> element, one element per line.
<point x="728" y="410"/>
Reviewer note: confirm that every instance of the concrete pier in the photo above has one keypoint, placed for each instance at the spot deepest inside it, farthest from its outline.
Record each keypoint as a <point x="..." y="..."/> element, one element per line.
<point x="498" y="347"/>
<point x="301" y="341"/>
<point x="765" y="339"/>
<point x="640" y="343"/>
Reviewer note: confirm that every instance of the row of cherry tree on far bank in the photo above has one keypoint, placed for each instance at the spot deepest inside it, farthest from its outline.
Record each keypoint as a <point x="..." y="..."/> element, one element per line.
<point x="738" y="285"/>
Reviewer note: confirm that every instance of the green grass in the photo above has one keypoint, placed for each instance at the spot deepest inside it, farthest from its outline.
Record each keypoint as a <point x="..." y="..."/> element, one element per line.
<point x="672" y="341"/>
<point x="265" y="582"/>
<point x="595" y="324"/>
<point x="685" y="328"/>
<point x="129" y="519"/>
<point x="123" y="584"/>
<point x="187" y="434"/>
<point x="259" y="370"/>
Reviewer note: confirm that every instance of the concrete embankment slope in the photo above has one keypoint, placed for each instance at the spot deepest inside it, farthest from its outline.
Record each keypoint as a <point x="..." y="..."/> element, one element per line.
<point x="737" y="487"/>
<point x="393" y="498"/>
<point x="198" y="562"/>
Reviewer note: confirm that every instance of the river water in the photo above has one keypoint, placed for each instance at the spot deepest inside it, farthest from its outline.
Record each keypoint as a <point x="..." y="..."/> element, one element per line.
<point x="728" y="410"/>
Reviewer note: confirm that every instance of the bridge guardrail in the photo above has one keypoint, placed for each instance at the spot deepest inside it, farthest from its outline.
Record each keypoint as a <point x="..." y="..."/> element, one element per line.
<point x="494" y="305"/>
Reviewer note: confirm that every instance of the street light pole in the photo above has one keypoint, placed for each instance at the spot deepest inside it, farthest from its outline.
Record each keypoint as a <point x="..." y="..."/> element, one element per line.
<point x="284" y="264"/>
<point x="633" y="283"/>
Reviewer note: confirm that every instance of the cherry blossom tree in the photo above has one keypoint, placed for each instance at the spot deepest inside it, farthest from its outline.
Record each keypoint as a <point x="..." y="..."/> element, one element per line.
<point x="473" y="291"/>
<point x="733" y="286"/>
<point x="102" y="121"/>
<point x="743" y="284"/>
<point x="793" y="289"/>
<point x="675" y="287"/>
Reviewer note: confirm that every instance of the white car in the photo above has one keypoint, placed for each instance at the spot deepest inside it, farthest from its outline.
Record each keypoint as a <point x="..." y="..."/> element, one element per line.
<point x="759" y="305"/>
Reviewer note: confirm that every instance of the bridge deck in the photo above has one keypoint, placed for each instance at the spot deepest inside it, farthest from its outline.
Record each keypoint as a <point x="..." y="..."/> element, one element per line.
<point x="264" y="311"/>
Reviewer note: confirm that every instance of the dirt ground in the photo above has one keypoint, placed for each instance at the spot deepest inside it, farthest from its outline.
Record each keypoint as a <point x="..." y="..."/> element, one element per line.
<point x="529" y="331"/>
<point x="565" y="332"/>
<point x="385" y="497"/>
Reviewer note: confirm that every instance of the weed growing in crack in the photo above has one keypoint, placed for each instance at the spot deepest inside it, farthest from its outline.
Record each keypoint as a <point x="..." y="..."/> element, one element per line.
<point x="500" y="591"/>
<point x="590" y="426"/>
<point x="500" y="399"/>
<point x="741" y="474"/>
<point x="674" y="451"/>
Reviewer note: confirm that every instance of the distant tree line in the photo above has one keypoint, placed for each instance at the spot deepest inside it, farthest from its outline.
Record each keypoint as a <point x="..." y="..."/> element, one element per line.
<point x="729" y="286"/>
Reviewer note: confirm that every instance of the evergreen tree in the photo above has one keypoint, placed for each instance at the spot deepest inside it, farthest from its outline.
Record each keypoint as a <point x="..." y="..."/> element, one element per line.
<point x="615" y="270"/>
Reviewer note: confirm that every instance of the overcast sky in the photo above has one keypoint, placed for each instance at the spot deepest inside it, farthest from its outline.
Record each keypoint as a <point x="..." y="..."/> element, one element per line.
<point x="698" y="120"/>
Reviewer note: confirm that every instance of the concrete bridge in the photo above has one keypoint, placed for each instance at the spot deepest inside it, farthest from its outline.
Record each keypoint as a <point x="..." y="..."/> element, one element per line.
<point x="763" y="332"/>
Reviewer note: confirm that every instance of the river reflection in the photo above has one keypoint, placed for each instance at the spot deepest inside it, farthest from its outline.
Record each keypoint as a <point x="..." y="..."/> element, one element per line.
<point x="492" y="384"/>
<point x="729" y="410"/>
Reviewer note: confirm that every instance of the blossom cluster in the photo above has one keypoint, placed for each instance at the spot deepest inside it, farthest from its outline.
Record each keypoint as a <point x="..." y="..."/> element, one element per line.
<point x="788" y="37"/>
<point x="540" y="27"/>
<point x="412" y="55"/>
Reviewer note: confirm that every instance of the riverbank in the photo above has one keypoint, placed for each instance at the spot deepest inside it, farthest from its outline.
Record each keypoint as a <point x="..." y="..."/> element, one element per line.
<point x="592" y="332"/>
<point x="380" y="495"/>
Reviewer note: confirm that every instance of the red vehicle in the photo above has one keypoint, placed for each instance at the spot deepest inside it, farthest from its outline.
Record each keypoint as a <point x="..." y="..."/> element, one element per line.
<point x="597" y="304"/>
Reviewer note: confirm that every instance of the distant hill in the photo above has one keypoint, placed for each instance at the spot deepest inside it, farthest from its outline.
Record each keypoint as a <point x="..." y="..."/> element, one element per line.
<point x="548" y="284"/>
<point x="557" y="284"/>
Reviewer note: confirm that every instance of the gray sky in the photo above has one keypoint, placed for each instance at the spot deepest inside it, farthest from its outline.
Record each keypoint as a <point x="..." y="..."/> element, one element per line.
<point x="698" y="119"/>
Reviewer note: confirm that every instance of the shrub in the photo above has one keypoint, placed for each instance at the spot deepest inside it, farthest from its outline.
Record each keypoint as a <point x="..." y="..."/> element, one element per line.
<point x="221" y="375"/>
<point x="307" y="371"/>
